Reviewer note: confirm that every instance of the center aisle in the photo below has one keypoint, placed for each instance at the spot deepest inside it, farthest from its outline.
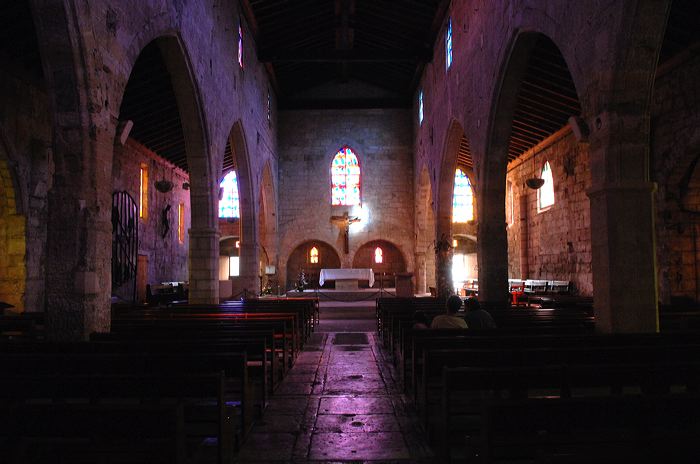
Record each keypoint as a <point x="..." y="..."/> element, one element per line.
<point x="338" y="403"/>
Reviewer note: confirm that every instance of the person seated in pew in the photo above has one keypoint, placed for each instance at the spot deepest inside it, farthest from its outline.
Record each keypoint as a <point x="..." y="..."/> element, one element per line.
<point x="420" y="320"/>
<point x="450" y="320"/>
<point x="477" y="318"/>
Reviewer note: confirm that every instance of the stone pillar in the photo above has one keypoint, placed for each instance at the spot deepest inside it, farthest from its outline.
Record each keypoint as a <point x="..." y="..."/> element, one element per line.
<point x="524" y="236"/>
<point x="622" y="246"/>
<point x="250" y="266"/>
<point x="443" y="272"/>
<point x="492" y="243"/>
<point x="79" y="245"/>
<point x="623" y="251"/>
<point x="420" y="273"/>
<point x="204" y="266"/>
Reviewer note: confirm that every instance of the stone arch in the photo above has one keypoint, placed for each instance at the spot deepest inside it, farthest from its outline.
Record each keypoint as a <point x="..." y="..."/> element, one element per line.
<point x="393" y="261"/>
<point x="267" y="219"/>
<point x="425" y="233"/>
<point x="13" y="269"/>
<point x="492" y="240"/>
<point x="445" y="227"/>
<point x="202" y="236"/>
<point x="250" y="244"/>
<point x="298" y="259"/>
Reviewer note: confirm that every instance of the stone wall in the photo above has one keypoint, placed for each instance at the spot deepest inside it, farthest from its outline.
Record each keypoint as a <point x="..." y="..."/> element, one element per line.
<point x="26" y="167"/>
<point x="559" y="237"/>
<point x="166" y="254"/>
<point x="381" y="139"/>
<point x="675" y="153"/>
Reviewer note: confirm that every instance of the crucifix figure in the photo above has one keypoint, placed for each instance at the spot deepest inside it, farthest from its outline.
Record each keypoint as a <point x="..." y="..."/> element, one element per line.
<point x="343" y="222"/>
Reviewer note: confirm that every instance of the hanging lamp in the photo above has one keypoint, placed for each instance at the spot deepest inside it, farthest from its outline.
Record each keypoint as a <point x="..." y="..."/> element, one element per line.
<point x="534" y="182"/>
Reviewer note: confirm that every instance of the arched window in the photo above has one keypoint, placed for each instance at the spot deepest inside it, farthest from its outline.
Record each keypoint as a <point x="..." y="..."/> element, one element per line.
<point x="448" y="44"/>
<point x="463" y="198"/>
<point x="378" y="255"/>
<point x="229" y="204"/>
<point x="313" y="255"/>
<point x="240" y="44"/>
<point x="345" y="178"/>
<point x="420" y="107"/>
<point x="545" y="194"/>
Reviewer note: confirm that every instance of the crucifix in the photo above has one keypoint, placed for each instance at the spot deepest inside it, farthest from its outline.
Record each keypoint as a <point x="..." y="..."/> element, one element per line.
<point x="343" y="222"/>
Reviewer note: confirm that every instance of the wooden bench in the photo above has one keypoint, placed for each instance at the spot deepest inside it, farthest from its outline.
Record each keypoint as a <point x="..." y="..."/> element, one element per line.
<point x="211" y="405"/>
<point x="472" y="398"/>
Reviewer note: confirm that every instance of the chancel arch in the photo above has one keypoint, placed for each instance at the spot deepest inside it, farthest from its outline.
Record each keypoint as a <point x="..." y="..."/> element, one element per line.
<point x="310" y="257"/>
<point x="383" y="257"/>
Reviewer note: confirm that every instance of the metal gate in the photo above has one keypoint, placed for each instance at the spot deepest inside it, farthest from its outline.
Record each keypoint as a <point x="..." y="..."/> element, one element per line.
<point x="125" y="241"/>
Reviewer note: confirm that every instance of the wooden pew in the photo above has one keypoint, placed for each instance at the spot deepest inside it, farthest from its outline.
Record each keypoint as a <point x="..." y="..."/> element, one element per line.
<point x="474" y="400"/>
<point x="95" y="377"/>
<point x="212" y="326"/>
<point x="85" y="432"/>
<point x="643" y="429"/>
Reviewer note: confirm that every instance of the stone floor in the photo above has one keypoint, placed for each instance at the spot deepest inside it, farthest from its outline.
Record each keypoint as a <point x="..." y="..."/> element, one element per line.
<point x="339" y="403"/>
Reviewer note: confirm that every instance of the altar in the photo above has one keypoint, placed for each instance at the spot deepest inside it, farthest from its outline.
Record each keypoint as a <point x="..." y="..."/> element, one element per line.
<point x="346" y="279"/>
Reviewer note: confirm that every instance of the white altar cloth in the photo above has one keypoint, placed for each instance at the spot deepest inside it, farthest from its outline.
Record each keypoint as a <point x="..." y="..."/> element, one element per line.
<point x="346" y="274"/>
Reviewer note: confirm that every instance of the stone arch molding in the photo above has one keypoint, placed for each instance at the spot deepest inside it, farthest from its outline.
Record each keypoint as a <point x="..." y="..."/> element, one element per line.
<point x="250" y="242"/>
<point x="203" y="235"/>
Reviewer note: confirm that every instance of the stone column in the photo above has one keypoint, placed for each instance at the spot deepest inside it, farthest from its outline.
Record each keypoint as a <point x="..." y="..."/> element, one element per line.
<point x="204" y="266"/>
<point x="622" y="246"/>
<point x="492" y="242"/>
<point x="443" y="271"/>
<point x="79" y="244"/>
<point x="420" y="273"/>
<point x="622" y="224"/>
<point x="250" y="266"/>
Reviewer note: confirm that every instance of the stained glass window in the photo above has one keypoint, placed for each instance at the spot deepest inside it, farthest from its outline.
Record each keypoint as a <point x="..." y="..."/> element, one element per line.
<point x="420" y="107"/>
<point x="229" y="205"/>
<point x="378" y="255"/>
<point x="313" y="255"/>
<point x="345" y="178"/>
<point x="463" y="198"/>
<point x="240" y="44"/>
<point x="448" y="44"/>
<point x="545" y="194"/>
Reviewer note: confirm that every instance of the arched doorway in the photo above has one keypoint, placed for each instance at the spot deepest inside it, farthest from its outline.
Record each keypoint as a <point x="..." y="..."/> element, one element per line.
<point x="384" y="258"/>
<point x="311" y="257"/>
